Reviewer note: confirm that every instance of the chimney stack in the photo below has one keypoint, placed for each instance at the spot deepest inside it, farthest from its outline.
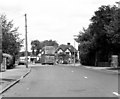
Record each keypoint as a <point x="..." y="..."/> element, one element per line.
<point x="68" y="43"/>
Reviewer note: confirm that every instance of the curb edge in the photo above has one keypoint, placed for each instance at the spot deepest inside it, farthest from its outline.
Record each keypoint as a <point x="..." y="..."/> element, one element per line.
<point x="16" y="81"/>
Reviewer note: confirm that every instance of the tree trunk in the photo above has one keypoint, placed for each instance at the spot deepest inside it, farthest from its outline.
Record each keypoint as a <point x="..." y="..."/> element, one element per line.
<point x="96" y="58"/>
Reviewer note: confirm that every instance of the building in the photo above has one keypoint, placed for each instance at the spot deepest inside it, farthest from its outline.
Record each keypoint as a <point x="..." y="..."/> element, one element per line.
<point x="66" y="53"/>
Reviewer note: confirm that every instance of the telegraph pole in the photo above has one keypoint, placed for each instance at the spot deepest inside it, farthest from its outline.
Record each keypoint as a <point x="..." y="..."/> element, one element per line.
<point x="26" y="45"/>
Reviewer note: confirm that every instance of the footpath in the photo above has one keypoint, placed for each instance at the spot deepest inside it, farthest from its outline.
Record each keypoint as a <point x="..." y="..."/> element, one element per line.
<point x="12" y="76"/>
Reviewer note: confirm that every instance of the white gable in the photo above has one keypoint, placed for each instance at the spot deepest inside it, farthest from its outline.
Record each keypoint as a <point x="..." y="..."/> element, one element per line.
<point x="59" y="51"/>
<point x="67" y="50"/>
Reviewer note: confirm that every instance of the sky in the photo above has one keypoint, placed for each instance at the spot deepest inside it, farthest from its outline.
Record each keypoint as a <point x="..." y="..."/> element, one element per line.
<point x="57" y="20"/>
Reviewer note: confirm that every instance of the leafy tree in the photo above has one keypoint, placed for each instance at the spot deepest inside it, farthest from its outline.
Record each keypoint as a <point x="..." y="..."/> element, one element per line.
<point x="37" y="45"/>
<point x="11" y="43"/>
<point x="113" y="31"/>
<point x="49" y="43"/>
<point x="102" y="36"/>
<point x="86" y="47"/>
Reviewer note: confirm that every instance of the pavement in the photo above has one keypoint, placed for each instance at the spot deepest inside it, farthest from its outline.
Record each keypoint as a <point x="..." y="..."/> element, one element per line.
<point x="11" y="76"/>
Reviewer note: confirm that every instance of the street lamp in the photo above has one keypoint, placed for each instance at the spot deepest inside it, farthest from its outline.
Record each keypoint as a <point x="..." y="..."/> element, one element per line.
<point x="74" y="48"/>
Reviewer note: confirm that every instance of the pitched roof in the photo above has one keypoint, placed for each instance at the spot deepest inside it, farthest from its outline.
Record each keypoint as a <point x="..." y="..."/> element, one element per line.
<point x="65" y="47"/>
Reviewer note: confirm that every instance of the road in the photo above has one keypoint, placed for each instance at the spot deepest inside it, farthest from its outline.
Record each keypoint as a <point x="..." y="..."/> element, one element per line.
<point x="65" y="81"/>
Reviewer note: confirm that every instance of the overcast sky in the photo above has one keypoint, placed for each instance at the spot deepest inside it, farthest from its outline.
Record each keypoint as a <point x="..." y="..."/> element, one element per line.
<point x="51" y="19"/>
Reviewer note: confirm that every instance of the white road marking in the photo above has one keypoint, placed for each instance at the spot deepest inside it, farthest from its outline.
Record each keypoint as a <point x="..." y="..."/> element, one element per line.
<point x="72" y="71"/>
<point x="85" y="77"/>
<point x="115" y="93"/>
<point x="28" y="88"/>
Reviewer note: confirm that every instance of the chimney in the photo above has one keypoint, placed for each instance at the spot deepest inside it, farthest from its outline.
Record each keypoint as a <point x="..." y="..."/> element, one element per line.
<point x="68" y="43"/>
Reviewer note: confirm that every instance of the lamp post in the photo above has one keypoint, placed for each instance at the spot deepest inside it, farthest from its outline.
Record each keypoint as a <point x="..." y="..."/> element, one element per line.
<point x="74" y="48"/>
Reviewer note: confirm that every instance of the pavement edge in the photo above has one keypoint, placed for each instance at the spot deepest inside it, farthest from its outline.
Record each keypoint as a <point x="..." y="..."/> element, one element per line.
<point x="13" y="83"/>
<point x="104" y="70"/>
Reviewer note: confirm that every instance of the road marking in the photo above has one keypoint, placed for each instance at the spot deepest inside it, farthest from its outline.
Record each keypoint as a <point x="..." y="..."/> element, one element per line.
<point x="115" y="93"/>
<point x="72" y="71"/>
<point x="28" y="88"/>
<point x="85" y="77"/>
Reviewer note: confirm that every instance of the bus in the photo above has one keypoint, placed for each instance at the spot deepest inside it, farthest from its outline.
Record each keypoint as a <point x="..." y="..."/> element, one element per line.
<point x="48" y="55"/>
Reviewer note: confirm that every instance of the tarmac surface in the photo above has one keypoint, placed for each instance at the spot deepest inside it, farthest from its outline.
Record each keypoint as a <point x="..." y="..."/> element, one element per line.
<point x="12" y="76"/>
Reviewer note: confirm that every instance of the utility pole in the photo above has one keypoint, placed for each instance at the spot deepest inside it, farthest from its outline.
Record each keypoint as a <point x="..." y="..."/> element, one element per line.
<point x="26" y="45"/>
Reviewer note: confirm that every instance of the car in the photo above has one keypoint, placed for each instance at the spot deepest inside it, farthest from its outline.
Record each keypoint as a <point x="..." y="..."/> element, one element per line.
<point x="65" y="62"/>
<point x="22" y="62"/>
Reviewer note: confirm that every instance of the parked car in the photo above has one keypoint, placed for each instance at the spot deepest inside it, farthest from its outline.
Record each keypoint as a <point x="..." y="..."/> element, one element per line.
<point x="22" y="62"/>
<point x="65" y="62"/>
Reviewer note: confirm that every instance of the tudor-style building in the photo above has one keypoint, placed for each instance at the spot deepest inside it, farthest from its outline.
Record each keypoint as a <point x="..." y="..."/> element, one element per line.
<point x="66" y="53"/>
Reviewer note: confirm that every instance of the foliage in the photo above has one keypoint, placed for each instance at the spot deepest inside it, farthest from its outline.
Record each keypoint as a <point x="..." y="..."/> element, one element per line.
<point x="37" y="45"/>
<point x="11" y="43"/>
<point x="102" y="37"/>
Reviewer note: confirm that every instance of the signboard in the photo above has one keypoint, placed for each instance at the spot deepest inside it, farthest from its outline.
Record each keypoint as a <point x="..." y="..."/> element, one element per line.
<point x="114" y="62"/>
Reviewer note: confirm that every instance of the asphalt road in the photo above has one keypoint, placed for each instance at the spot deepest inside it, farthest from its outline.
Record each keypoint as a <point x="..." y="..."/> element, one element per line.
<point x="65" y="81"/>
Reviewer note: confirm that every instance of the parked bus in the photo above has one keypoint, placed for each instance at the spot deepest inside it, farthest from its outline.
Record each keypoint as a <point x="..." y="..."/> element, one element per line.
<point x="48" y="55"/>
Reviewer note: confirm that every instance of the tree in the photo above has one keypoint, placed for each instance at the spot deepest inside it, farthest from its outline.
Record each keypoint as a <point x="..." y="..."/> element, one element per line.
<point x="86" y="47"/>
<point x="49" y="43"/>
<point x="11" y="43"/>
<point x="113" y="31"/>
<point x="37" y="45"/>
<point x="101" y="35"/>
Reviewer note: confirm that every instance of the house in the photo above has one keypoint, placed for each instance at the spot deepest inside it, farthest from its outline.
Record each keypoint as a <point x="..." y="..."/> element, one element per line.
<point x="66" y="53"/>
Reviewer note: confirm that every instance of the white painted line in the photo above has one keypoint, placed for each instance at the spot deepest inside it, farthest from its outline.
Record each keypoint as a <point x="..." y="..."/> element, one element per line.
<point x="28" y="88"/>
<point x="115" y="93"/>
<point x="72" y="71"/>
<point x="85" y="77"/>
